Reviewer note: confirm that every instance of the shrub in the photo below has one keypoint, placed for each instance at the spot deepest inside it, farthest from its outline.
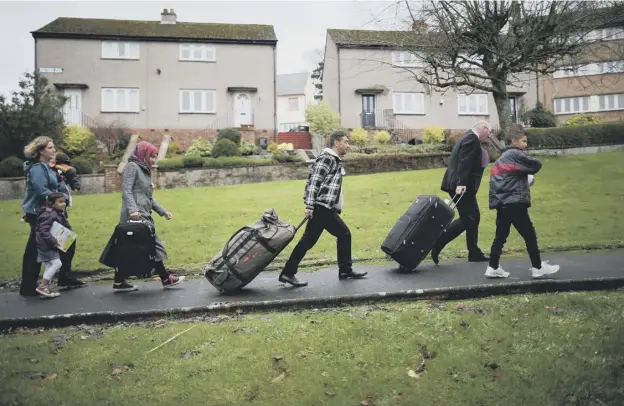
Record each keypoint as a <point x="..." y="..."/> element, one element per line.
<point x="576" y="136"/>
<point x="281" y="157"/>
<point x="247" y="148"/>
<point x="78" y="140"/>
<point x="433" y="135"/>
<point x="171" y="164"/>
<point x="199" y="147"/>
<point x="322" y="119"/>
<point x="272" y="146"/>
<point x="286" y="146"/>
<point x="11" y="167"/>
<point x="359" y="136"/>
<point x="225" y="147"/>
<point x="192" y="161"/>
<point x="225" y="162"/>
<point x="382" y="137"/>
<point x="583" y="119"/>
<point x="229" y="134"/>
<point x="83" y="165"/>
<point x="174" y="149"/>
<point x="539" y="117"/>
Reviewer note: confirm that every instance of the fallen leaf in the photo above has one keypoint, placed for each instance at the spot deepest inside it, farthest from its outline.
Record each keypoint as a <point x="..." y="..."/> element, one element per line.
<point x="277" y="358"/>
<point x="279" y="377"/>
<point x="464" y="324"/>
<point x="366" y="402"/>
<point x="50" y="377"/>
<point x="315" y="322"/>
<point x="411" y="373"/>
<point x="34" y="360"/>
<point x="189" y="354"/>
<point x="330" y="394"/>
<point x="36" y="375"/>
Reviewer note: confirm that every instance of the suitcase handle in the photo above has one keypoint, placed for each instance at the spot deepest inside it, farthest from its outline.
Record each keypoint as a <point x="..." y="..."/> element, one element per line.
<point x="300" y="224"/>
<point x="454" y="203"/>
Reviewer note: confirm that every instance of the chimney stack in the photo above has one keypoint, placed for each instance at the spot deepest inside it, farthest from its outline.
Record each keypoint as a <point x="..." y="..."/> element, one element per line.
<point x="420" y="26"/>
<point x="168" y="16"/>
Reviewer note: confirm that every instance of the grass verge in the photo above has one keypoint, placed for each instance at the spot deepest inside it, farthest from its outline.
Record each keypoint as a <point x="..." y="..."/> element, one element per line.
<point x="559" y="349"/>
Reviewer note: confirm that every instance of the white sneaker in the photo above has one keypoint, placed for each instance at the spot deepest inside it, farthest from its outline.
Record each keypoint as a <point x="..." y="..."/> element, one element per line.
<point x="546" y="269"/>
<point x="496" y="273"/>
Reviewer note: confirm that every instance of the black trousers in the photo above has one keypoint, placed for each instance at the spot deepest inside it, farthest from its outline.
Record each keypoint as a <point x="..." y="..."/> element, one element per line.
<point x="468" y="221"/>
<point x="31" y="268"/>
<point x="517" y="216"/>
<point x="158" y="266"/>
<point x="322" y="219"/>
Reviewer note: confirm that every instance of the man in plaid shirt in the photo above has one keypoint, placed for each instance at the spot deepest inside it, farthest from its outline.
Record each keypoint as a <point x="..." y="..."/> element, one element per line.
<point x="323" y="200"/>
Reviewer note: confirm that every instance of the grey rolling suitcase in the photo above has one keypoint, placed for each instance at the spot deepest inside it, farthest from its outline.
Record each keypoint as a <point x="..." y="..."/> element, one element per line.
<point x="249" y="251"/>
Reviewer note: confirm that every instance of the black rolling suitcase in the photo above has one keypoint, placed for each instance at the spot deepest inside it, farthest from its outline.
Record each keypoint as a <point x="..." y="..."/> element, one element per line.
<point x="413" y="236"/>
<point x="131" y="249"/>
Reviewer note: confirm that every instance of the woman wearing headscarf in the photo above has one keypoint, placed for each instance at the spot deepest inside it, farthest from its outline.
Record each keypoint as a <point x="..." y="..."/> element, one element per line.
<point x="137" y="204"/>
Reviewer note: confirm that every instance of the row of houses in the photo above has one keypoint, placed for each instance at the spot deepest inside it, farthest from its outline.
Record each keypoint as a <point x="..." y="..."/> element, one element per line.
<point x="191" y="79"/>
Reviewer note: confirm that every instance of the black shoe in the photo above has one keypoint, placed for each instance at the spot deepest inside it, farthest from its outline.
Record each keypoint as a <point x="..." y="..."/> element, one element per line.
<point x="292" y="280"/>
<point x="478" y="258"/>
<point x="71" y="283"/>
<point x="29" y="293"/>
<point x="351" y="275"/>
<point x="124" y="287"/>
<point x="435" y="255"/>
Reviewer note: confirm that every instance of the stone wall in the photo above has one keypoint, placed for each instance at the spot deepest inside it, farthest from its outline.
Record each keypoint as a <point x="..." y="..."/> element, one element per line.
<point x="13" y="188"/>
<point x="184" y="137"/>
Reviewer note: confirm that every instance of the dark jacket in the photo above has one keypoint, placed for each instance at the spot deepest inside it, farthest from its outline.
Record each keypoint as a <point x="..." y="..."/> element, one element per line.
<point x="464" y="165"/>
<point x="509" y="183"/>
<point x="46" y="216"/>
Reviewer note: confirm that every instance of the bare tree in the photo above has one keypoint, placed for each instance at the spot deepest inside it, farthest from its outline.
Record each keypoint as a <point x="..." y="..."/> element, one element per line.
<point x="487" y="45"/>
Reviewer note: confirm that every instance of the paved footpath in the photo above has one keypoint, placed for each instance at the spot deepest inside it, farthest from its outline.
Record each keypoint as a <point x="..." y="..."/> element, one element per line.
<point x="604" y="269"/>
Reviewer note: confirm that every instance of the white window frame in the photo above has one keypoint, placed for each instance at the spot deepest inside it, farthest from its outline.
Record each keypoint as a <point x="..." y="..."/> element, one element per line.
<point x="208" y="52"/>
<point x="466" y="102"/>
<point x="401" y="108"/>
<point x="585" y="105"/>
<point x="406" y="59"/>
<point x="204" y="94"/>
<point x="285" y="127"/>
<point x="112" y="50"/>
<point x="132" y="102"/>
<point x="616" y="103"/>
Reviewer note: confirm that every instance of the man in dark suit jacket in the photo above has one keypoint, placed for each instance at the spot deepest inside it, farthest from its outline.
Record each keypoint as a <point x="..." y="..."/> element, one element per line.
<point x="462" y="179"/>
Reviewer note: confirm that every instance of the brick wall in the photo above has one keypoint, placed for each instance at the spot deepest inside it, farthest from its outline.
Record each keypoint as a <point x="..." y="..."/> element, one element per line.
<point x="300" y="140"/>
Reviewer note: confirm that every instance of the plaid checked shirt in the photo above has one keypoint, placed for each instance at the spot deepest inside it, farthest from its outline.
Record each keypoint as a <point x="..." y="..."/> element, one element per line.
<point x="324" y="181"/>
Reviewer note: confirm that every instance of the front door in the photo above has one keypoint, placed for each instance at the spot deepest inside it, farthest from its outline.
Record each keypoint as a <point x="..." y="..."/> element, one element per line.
<point x="242" y="109"/>
<point x="513" y="107"/>
<point x="72" y="110"/>
<point x="368" y="110"/>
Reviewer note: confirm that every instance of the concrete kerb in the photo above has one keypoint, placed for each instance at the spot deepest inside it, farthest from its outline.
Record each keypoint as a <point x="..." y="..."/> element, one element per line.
<point x="455" y="293"/>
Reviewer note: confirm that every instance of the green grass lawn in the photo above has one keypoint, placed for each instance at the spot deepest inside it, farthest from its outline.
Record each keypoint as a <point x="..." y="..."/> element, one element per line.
<point x="560" y="349"/>
<point x="577" y="203"/>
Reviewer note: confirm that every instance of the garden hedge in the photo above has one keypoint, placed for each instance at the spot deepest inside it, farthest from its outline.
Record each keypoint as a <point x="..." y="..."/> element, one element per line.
<point x="576" y="136"/>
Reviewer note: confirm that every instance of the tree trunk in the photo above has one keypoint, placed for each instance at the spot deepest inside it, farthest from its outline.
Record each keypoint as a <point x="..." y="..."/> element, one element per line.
<point x="502" y="108"/>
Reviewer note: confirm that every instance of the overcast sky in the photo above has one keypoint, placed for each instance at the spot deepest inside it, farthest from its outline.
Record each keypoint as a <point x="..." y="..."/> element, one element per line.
<point x="300" y="25"/>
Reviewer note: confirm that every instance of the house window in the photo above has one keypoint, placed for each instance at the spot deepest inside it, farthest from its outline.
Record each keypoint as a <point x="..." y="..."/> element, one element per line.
<point x="613" y="67"/>
<point x="293" y="104"/>
<point x="120" y="50"/>
<point x="284" y="127"/>
<point x="120" y="100"/>
<point x="406" y="59"/>
<point x="608" y="102"/>
<point x="571" y="105"/>
<point x="197" y="52"/>
<point x="408" y="103"/>
<point x="472" y="104"/>
<point x="198" y="101"/>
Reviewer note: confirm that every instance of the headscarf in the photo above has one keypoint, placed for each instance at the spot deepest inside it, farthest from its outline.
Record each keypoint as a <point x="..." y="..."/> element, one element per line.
<point x="142" y="152"/>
